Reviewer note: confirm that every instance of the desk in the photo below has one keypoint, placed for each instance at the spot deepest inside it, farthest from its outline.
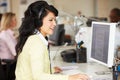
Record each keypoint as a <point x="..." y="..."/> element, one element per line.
<point x="90" y="68"/>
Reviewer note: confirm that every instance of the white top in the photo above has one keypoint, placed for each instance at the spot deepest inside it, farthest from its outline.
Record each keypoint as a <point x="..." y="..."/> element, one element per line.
<point x="7" y="44"/>
<point x="43" y="39"/>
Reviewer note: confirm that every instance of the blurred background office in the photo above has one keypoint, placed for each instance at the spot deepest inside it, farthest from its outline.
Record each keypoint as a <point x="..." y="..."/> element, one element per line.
<point x="68" y="9"/>
<point x="75" y="15"/>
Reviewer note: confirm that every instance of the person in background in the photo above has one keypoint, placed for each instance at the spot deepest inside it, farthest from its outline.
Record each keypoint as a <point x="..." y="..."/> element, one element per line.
<point x="114" y="15"/>
<point x="33" y="61"/>
<point x="8" y="43"/>
<point x="7" y="39"/>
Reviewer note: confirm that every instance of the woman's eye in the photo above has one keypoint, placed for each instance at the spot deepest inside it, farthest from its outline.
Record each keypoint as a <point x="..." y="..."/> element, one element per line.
<point x="50" y="20"/>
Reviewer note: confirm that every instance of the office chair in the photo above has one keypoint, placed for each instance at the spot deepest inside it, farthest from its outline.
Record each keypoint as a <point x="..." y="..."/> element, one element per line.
<point x="2" y="72"/>
<point x="8" y="69"/>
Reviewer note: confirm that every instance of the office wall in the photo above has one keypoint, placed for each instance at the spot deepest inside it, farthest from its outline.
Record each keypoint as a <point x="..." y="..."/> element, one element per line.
<point x="104" y="7"/>
<point x="15" y="9"/>
<point x="72" y="7"/>
<point x="99" y="8"/>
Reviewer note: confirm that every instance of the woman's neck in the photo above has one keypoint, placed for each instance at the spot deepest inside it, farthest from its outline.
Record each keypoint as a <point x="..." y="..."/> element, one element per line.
<point x="43" y="33"/>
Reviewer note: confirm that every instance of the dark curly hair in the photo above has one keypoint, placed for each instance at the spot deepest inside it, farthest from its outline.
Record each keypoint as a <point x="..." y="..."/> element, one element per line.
<point x="117" y="11"/>
<point x="32" y="20"/>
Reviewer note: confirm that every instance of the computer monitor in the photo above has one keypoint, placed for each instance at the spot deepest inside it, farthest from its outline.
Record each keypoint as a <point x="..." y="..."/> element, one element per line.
<point x="57" y="38"/>
<point x="103" y="43"/>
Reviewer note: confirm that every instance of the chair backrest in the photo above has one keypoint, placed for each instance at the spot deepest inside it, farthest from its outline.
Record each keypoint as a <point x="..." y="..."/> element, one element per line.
<point x="2" y="72"/>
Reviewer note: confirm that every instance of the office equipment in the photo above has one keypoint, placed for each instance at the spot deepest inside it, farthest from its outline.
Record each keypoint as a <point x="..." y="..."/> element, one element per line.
<point x="103" y="43"/>
<point x="57" y="38"/>
<point x="81" y="55"/>
<point x="69" y="55"/>
<point x="75" y="55"/>
<point x="59" y="49"/>
<point x="90" y="68"/>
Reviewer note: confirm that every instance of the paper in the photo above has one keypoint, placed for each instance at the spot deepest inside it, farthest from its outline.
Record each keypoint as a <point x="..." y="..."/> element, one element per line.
<point x="69" y="67"/>
<point x="71" y="72"/>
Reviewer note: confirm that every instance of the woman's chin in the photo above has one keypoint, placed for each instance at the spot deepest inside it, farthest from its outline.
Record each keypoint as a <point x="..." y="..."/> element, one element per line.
<point x="50" y="33"/>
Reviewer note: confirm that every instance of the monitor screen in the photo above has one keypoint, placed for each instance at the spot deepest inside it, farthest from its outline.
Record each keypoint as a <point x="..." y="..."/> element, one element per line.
<point x="57" y="38"/>
<point x="103" y="43"/>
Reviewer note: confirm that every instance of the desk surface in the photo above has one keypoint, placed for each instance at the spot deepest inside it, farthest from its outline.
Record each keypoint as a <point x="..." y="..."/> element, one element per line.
<point x="93" y="69"/>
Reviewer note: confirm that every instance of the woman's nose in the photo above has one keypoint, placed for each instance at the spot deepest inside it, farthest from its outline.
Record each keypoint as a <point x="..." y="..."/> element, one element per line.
<point x="54" y="23"/>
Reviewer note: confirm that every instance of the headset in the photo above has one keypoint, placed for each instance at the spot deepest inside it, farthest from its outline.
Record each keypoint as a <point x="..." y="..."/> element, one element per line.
<point x="38" y="22"/>
<point x="40" y="13"/>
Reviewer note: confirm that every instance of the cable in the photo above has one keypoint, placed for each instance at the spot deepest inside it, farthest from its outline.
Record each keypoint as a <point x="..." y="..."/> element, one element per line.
<point x="59" y="49"/>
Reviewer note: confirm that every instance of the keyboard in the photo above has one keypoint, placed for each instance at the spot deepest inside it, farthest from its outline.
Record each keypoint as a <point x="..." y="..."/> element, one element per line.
<point x="95" y="77"/>
<point x="101" y="78"/>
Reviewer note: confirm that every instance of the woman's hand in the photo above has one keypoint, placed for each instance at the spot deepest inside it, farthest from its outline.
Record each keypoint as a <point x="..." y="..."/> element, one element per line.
<point x="79" y="77"/>
<point x="57" y="69"/>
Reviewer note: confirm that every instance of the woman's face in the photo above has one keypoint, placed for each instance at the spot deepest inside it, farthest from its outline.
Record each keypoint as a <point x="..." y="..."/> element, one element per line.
<point x="13" y="22"/>
<point x="49" y="23"/>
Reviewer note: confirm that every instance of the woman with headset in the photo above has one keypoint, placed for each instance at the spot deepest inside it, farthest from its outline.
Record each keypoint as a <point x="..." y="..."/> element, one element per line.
<point x="33" y="58"/>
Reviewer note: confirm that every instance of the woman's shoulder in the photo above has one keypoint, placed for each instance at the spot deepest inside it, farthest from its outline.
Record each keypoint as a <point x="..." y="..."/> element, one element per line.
<point x="34" y="39"/>
<point x="6" y="34"/>
<point x="3" y="34"/>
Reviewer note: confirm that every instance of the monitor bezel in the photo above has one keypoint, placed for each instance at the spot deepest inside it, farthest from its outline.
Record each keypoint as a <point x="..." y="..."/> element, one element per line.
<point x="111" y="46"/>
